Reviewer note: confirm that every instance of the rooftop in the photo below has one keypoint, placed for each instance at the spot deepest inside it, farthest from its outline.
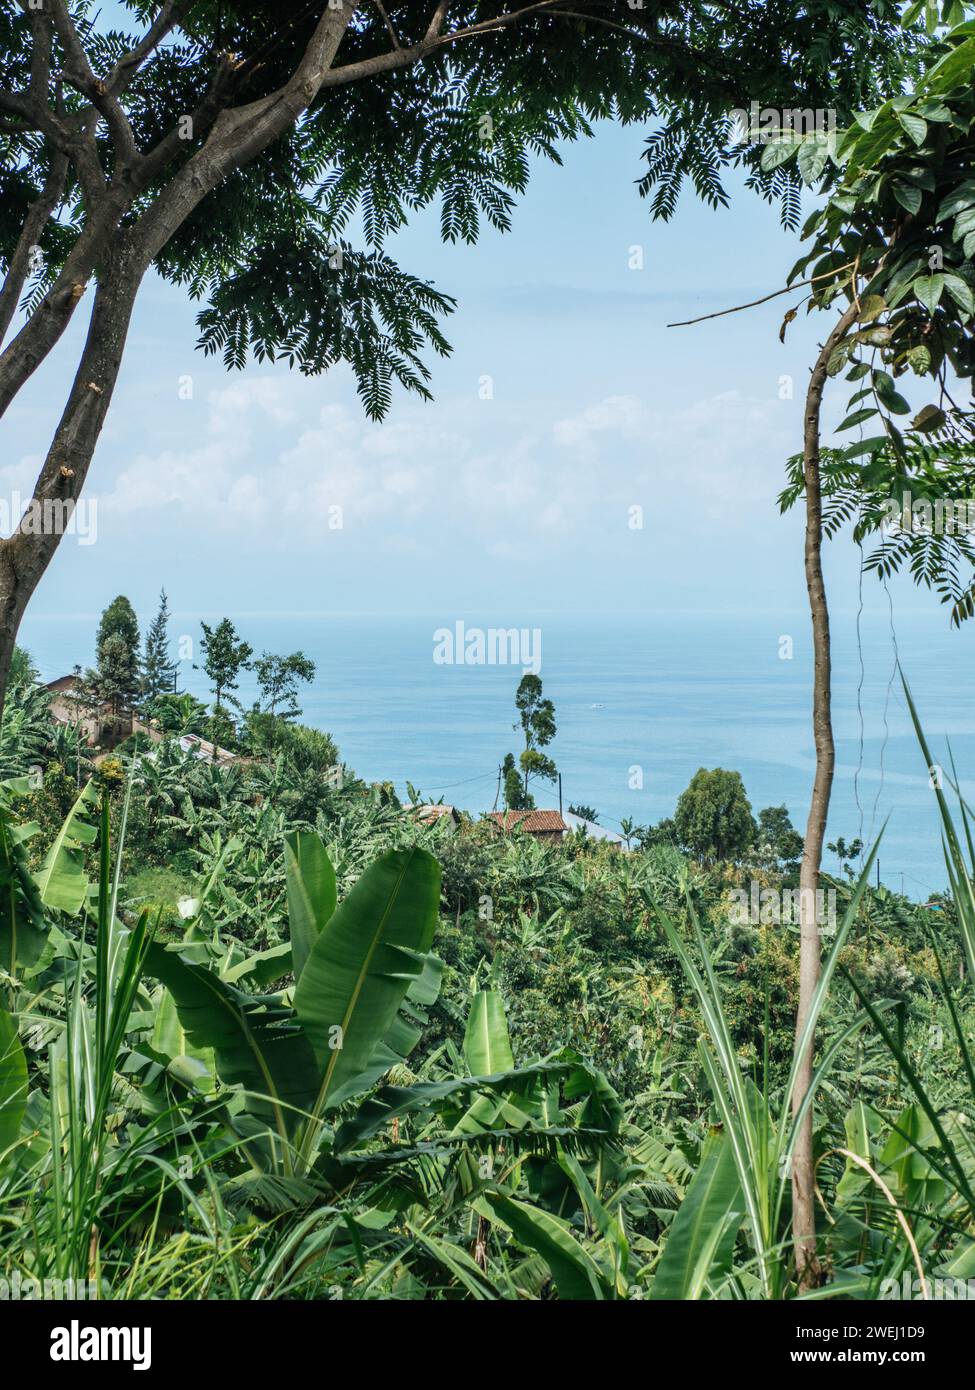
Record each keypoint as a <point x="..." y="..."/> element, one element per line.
<point x="535" y="822"/>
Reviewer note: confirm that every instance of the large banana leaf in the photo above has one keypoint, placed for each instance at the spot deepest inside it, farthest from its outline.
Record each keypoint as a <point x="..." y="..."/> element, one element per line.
<point x="363" y="962"/>
<point x="487" y="1047"/>
<point x="257" y="1045"/>
<point x="403" y="1034"/>
<point x="487" y="1051"/>
<point x="192" y="1065"/>
<point x="312" y="892"/>
<point x="13" y="1083"/>
<point x="701" y="1239"/>
<point x="576" y="1273"/>
<point x="261" y="968"/>
<point x="61" y="880"/>
<point x="23" y="930"/>
<point x="452" y="1099"/>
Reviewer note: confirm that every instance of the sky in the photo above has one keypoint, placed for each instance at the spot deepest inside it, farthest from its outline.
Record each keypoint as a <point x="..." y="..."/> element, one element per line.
<point x="567" y="403"/>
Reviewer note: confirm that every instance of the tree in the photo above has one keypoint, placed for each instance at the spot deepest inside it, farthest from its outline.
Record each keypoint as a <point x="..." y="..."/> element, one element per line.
<point x="277" y="680"/>
<point x="119" y="619"/>
<point x="23" y="670"/>
<point x="516" y="798"/>
<point x="228" y="148"/>
<point x="713" y="820"/>
<point x="893" y="245"/>
<point x="630" y="830"/>
<point x="537" y="719"/>
<point x="115" y="678"/>
<point x="158" y="672"/>
<point x="178" y="714"/>
<point x="779" y="837"/>
<point x="585" y="813"/>
<point x="225" y="656"/>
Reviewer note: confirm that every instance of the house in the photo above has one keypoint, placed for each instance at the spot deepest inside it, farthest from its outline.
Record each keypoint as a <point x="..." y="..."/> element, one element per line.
<point x="206" y="751"/>
<point x="594" y="831"/>
<point x="67" y="706"/>
<point x="102" y="725"/>
<point x="428" y="814"/>
<point x="542" y="825"/>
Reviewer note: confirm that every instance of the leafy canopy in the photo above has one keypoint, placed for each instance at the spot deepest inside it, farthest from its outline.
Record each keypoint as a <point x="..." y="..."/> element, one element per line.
<point x="424" y="106"/>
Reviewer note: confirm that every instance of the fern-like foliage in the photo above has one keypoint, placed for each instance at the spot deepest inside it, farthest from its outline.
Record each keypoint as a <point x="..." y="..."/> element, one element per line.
<point x="314" y="304"/>
<point x="920" y="503"/>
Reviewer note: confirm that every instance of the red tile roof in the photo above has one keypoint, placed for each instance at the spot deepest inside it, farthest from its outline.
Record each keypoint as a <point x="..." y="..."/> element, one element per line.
<point x="535" y="822"/>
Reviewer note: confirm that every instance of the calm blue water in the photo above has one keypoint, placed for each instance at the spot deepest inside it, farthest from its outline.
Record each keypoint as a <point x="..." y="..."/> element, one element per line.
<point x="678" y="692"/>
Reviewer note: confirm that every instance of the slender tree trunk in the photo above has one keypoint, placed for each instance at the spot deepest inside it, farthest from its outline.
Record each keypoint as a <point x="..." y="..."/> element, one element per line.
<point x="803" y="1164"/>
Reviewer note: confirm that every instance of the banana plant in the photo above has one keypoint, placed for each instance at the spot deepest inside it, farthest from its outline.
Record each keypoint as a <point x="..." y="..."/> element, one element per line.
<point x="363" y="975"/>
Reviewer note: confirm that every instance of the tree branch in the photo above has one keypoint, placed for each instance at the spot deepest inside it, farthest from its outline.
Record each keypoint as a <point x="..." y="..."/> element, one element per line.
<point x="129" y="64"/>
<point x="78" y="73"/>
<point x="737" y="308"/>
<point x="35" y="221"/>
<point x="397" y="58"/>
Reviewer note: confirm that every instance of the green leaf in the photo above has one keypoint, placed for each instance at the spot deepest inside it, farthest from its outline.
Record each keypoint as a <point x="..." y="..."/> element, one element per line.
<point x="13" y="1083"/>
<point x="23" y="928"/>
<point x="889" y="396"/>
<point x="916" y="127"/>
<point x="957" y="201"/>
<point x="777" y="152"/>
<point x="871" y="307"/>
<point x="907" y="195"/>
<point x="262" y="968"/>
<point x="364" y="961"/>
<point x="865" y="446"/>
<point x="487" y="1047"/>
<point x="928" y="289"/>
<point x="312" y="892"/>
<point x="919" y="360"/>
<point x="812" y="159"/>
<point x="964" y="223"/>
<point x="857" y="418"/>
<point x="839" y="357"/>
<point x="256" y="1043"/>
<point x="170" y="1040"/>
<point x="701" y="1239"/>
<point x="61" y="880"/>
<point x="961" y="293"/>
<point x="576" y="1274"/>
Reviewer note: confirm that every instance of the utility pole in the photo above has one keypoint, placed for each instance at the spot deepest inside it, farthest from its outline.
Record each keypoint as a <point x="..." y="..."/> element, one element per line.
<point x="560" y="793"/>
<point x="498" y="792"/>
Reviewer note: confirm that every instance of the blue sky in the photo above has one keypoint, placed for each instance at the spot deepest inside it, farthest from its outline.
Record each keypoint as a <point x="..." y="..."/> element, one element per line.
<point x="522" y="500"/>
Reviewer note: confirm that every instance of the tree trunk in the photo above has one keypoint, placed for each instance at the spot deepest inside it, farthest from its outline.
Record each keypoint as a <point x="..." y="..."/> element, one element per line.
<point x="120" y="259"/>
<point x="27" y="553"/>
<point x="803" y="1164"/>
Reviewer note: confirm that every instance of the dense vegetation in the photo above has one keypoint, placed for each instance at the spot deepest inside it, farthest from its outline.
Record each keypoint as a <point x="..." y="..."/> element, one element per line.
<point x="265" y="1034"/>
